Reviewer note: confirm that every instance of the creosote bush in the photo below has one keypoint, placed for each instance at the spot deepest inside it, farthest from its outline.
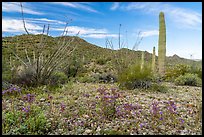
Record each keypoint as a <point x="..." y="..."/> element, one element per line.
<point x="74" y="68"/>
<point x="176" y="71"/>
<point x="196" y="70"/>
<point x="134" y="77"/>
<point x="159" y="88"/>
<point x="58" y="78"/>
<point x="87" y="79"/>
<point x="188" y="79"/>
<point x="101" y="61"/>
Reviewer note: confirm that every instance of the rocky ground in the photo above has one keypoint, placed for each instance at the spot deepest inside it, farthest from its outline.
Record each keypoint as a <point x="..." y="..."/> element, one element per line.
<point x="79" y="109"/>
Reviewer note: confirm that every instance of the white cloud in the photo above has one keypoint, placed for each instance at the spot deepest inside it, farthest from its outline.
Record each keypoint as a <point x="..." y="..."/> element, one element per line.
<point x="149" y="33"/>
<point x="83" y="30"/>
<point x="186" y="17"/>
<point x="82" y="6"/>
<point x="15" y="25"/>
<point x="182" y="16"/>
<point x="87" y="32"/>
<point x="15" y="7"/>
<point x="44" y="21"/>
<point x="100" y="35"/>
<point x="115" y="6"/>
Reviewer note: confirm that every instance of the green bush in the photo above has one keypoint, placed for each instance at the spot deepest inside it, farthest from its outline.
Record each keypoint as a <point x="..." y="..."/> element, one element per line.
<point x="58" y="78"/>
<point x="101" y="61"/>
<point x="134" y="77"/>
<point x="71" y="71"/>
<point x="188" y="79"/>
<point x="176" y="71"/>
<point x="36" y="123"/>
<point x="74" y="68"/>
<point x="196" y="70"/>
<point x="87" y="79"/>
<point x="159" y="88"/>
<point x="6" y="71"/>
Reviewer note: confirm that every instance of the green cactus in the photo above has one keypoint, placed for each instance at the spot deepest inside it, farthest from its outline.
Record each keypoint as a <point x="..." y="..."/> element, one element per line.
<point x="162" y="44"/>
<point x="153" y="60"/>
<point x="142" y="61"/>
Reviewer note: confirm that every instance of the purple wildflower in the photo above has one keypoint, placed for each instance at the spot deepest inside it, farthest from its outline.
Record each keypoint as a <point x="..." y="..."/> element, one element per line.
<point x="141" y="125"/>
<point x="155" y="107"/>
<point x="62" y="106"/>
<point x="10" y="90"/>
<point x="161" y="118"/>
<point x="3" y="92"/>
<point x="182" y="121"/>
<point x="29" y="98"/>
<point x="172" y="107"/>
<point x="86" y="95"/>
<point x="19" y="90"/>
<point x="129" y="106"/>
<point x="113" y="89"/>
<point x="26" y="109"/>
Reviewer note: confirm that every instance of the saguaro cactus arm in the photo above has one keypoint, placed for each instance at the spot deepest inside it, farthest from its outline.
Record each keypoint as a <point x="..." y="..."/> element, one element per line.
<point x="153" y="60"/>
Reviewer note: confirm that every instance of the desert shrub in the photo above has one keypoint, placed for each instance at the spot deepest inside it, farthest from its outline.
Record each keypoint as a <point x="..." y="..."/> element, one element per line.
<point x="134" y="77"/>
<point x="199" y="73"/>
<point x="58" y="78"/>
<point x="196" y="70"/>
<point x="6" y="76"/>
<point x="101" y="61"/>
<point x="107" y="78"/>
<point x="74" y="68"/>
<point x="71" y="71"/>
<point x="96" y="76"/>
<point x="176" y="71"/>
<point x="188" y="79"/>
<point x="25" y="76"/>
<point x="6" y="71"/>
<point x="159" y="88"/>
<point x="86" y="79"/>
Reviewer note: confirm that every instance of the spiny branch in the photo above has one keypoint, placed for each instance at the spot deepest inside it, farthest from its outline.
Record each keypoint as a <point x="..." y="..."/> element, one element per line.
<point x="23" y="18"/>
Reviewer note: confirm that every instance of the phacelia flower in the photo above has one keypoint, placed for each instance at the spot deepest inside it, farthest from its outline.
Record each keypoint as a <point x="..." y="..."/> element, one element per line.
<point x="26" y="109"/>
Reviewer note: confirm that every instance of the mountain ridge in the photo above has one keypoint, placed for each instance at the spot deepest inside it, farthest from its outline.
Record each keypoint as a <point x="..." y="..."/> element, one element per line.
<point x="85" y="49"/>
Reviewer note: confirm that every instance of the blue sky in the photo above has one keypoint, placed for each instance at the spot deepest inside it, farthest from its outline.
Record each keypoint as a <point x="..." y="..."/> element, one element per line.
<point x="98" y="21"/>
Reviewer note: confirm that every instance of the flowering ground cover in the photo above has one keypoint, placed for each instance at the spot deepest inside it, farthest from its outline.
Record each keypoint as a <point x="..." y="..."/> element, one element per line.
<point x="97" y="109"/>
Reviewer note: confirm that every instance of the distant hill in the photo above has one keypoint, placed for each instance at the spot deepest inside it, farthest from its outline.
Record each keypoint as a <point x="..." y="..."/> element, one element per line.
<point x="85" y="51"/>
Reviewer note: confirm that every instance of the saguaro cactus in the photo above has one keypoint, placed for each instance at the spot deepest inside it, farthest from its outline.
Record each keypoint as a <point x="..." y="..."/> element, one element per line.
<point x="142" y="61"/>
<point x="162" y="44"/>
<point x="153" y="60"/>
